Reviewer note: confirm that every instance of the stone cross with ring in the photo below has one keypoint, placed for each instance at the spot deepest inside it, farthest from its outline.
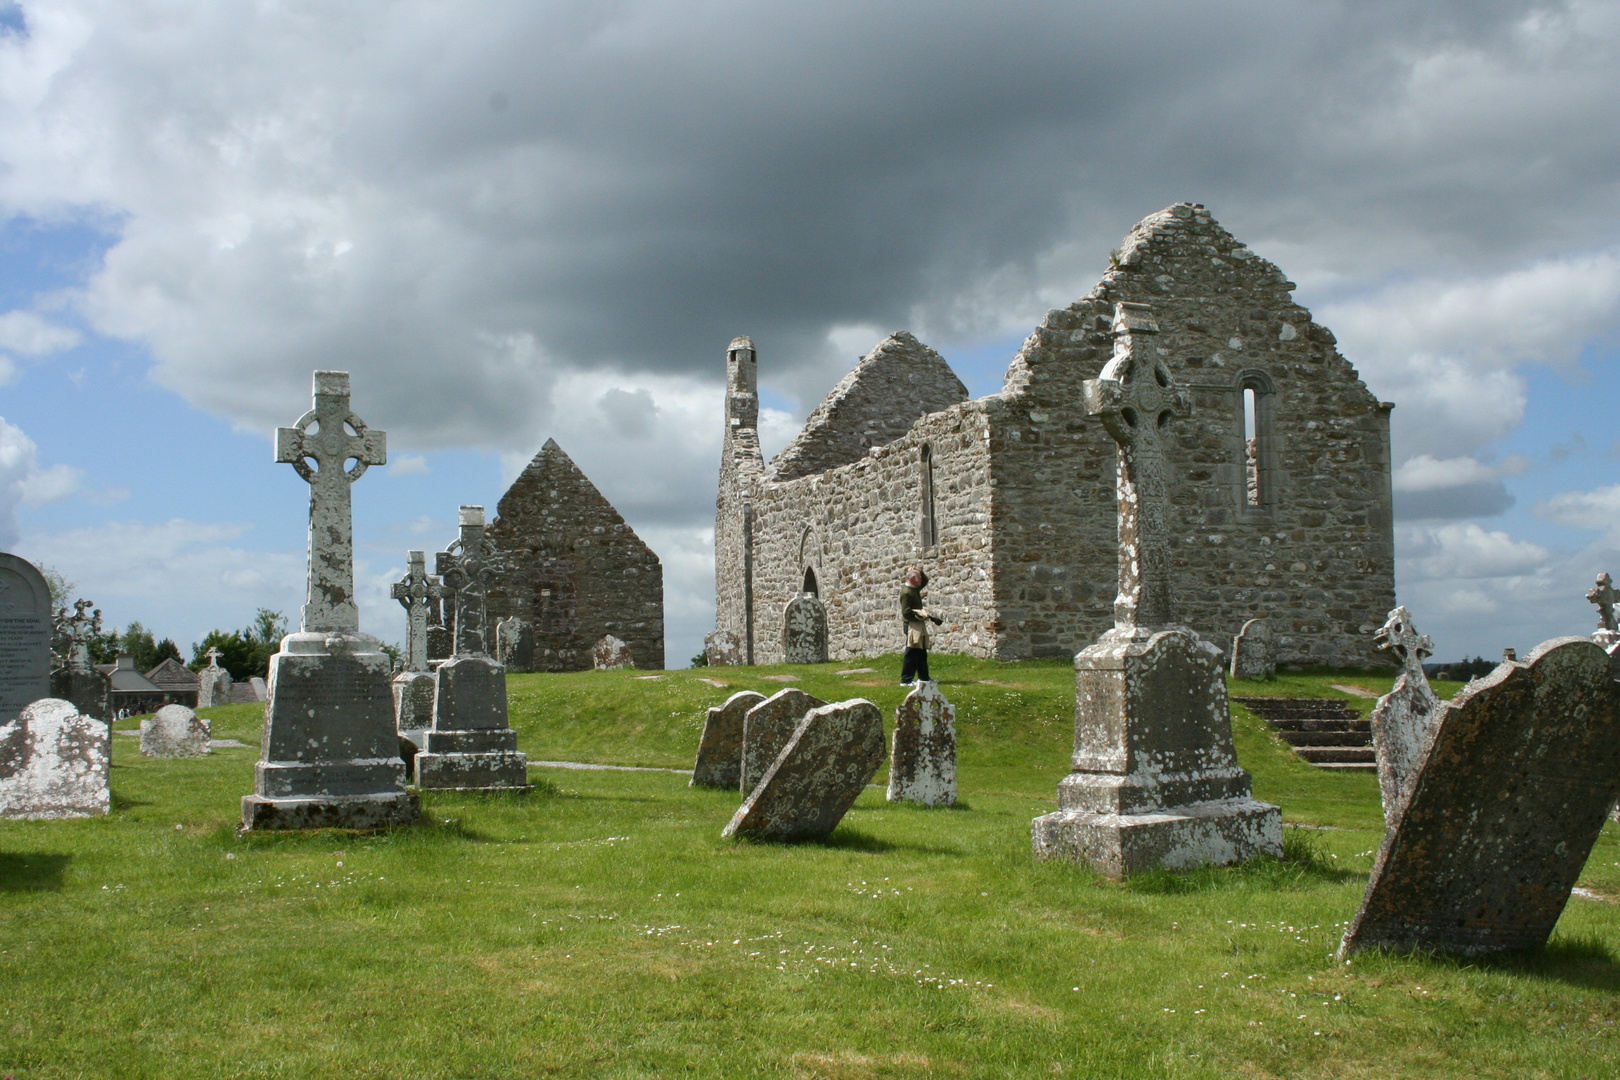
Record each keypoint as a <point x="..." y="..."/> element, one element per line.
<point x="417" y="592"/>
<point x="1605" y="596"/>
<point x="468" y="567"/>
<point x="1400" y="637"/>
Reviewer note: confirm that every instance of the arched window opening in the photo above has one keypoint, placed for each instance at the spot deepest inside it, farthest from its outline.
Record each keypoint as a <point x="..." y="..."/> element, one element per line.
<point x="1251" y="447"/>
<point x="930" y="527"/>
<point x="1257" y="452"/>
<point x="810" y="582"/>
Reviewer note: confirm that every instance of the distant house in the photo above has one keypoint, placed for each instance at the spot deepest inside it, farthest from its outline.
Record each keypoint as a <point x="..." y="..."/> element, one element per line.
<point x="133" y="692"/>
<point x="177" y="681"/>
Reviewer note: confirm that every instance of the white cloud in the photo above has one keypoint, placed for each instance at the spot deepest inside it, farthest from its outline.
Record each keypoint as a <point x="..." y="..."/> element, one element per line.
<point x="1464" y="550"/>
<point x="1430" y="488"/>
<point x="22" y="480"/>
<point x="408" y="465"/>
<point x="50" y="485"/>
<point x="26" y="333"/>
<point x="1426" y="473"/>
<point x="1598" y="510"/>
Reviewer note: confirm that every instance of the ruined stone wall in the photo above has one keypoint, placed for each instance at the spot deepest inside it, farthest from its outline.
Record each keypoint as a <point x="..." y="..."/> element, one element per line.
<point x="576" y="571"/>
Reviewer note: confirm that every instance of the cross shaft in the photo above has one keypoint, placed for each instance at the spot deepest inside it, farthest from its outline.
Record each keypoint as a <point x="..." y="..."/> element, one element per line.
<point x="468" y="567"/>
<point x="417" y="592"/>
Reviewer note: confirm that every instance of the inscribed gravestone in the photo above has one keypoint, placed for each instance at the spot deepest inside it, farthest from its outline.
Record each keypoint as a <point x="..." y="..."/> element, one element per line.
<point x="330" y="753"/>
<point x="766" y="729"/>
<point x="25" y="635"/>
<point x="1254" y="651"/>
<point x="821" y="771"/>
<point x="609" y="653"/>
<point x="719" y="756"/>
<point x="804" y="630"/>
<point x="1403" y="718"/>
<point x="722" y="648"/>
<point x="1503" y="812"/>
<point x="175" y="731"/>
<point x="54" y="763"/>
<point x="1156" y="782"/>
<point x="922" y="765"/>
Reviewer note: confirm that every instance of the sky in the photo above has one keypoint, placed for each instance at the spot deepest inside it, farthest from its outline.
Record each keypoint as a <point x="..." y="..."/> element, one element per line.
<point x="515" y="221"/>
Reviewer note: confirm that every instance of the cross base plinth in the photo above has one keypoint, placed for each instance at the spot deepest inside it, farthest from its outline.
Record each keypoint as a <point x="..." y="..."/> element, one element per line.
<point x="470" y="745"/>
<point x="1177" y="837"/>
<point x="413" y="700"/>
<point x="359" y="812"/>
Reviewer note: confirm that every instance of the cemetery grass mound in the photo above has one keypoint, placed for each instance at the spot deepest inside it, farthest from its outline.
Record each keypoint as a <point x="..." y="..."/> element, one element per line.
<point x="600" y="927"/>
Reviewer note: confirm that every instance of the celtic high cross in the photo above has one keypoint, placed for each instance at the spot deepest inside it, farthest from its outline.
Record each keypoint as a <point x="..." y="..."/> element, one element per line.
<point x="468" y="567"/>
<point x="1605" y="596"/>
<point x="1136" y="400"/>
<point x="330" y="436"/>
<point x="417" y="592"/>
<point x="76" y="631"/>
<point x="1400" y="637"/>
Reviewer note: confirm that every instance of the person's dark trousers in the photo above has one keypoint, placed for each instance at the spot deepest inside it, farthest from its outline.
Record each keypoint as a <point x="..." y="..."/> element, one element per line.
<point x="915" y="665"/>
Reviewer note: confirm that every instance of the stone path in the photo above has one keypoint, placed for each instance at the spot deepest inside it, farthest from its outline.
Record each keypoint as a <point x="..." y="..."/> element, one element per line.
<point x="1354" y="691"/>
<point x="215" y="743"/>
<point x="1324" y="731"/>
<point x="611" y="768"/>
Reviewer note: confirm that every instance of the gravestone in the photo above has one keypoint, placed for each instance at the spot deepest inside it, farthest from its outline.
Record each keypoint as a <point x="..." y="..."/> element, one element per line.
<point x="804" y="630"/>
<point x="25" y="636"/>
<point x="1404" y="717"/>
<point x="213" y="683"/>
<point x="175" y="731"/>
<point x="610" y="653"/>
<point x="719" y="756"/>
<point x="922" y="764"/>
<point x="766" y="729"/>
<point x="1155" y="781"/>
<point x="1501" y="817"/>
<point x="330" y="754"/>
<point x="1254" y="651"/>
<point x="54" y="763"/>
<point x="471" y="744"/>
<point x="77" y="681"/>
<point x="826" y="763"/>
<point x="722" y="648"/>
<point x="418" y="593"/>
<point x="508" y="637"/>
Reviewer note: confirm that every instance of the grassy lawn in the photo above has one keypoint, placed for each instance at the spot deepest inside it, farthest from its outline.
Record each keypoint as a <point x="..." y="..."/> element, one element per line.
<point x="600" y="927"/>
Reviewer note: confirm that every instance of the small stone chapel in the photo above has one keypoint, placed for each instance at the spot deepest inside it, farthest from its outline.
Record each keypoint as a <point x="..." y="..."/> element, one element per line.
<point x="1279" y="481"/>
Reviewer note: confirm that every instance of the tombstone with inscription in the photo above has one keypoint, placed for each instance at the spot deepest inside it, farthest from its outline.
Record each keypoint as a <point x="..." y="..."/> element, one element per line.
<point x="416" y="592"/>
<point x="213" y="683"/>
<point x="25" y="636"/>
<point x="610" y="653"/>
<point x="922" y="764"/>
<point x="767" y="727"/>
<point x="175" y="731"/>
<point x="330" y="754"/>
<point x="1503" y="811"/>
<point x="1254" y="651"/>
<point x="804" y="630"/>
<point x="719" y="756"/>
<point x="54" y="763"/>
<point x="820" y="771"/>
<point x="77" y="681"/>
<point x="1403" y="718"/>
<point x="722" y="648"/>
<point x="1156" y="782"/>
<point x="471" y="745"/>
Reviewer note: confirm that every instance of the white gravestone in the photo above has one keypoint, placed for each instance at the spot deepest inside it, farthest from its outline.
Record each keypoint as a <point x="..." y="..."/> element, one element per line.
<point x="175" y="731"/>
<point x="1156" y="782"/>
<point x="1404" y="718"/>
<point x="213" y="683"/>
<point x="54" y="763"/>
<point x="330" y="756"/>
<point x="922" y="765"/>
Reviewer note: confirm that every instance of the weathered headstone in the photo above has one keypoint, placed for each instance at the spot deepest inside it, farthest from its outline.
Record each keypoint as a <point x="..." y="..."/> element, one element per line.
<point x="719" y="756"/>
<point x="25" y="636"/>
<point x="1404" y="717"/>
<point x="261" y="689"/>
<point x="330" y="755"/>
<point x="175" y="731"/>
<point x="609" y="653"/>
<point x="766" y="729"/>
<point x="1156" y="782"/>
<point x="1523" y="766"/>
<point x="471" y="744"/>
<point x="922" y="764"/>
<point x="417" y="592"/>
<point x="722" y="648"/>
<point x="826" y="763"/>
<point x="508" y="636"/>
<point x="54" y="763"/>
<point x="804" y="630"/>
<point x="213" y="683"/>
<point x="1254" y="651"/>
<point x="77" y="681"/>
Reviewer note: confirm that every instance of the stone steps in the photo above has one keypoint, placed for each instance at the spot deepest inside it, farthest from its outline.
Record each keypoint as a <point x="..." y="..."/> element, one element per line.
<point x="1323" y="731"/>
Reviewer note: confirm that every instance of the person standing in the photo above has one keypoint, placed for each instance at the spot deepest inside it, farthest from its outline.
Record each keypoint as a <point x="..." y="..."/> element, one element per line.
<point x="915" y="618"/>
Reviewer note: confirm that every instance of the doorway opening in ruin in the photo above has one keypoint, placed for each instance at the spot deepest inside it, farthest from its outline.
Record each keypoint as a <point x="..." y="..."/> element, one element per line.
<point x="810" y="582"/>
<point x="930" y="528"/>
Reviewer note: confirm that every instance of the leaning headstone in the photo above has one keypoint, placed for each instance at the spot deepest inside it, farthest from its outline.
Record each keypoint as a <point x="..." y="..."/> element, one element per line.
<point x="54" y="763"/>
<point x="922" y="764"/>
<point x="1404" y="717"/>
<point x="804" y="630"/>
<point x="330" y="754"/>
<point x="821" y="771"/>
<point x="610" y="653"/>
<point x="1522" y="768"/>
<point x="25" y="636"/>
<point x="471" y="744"/>
<point x="1156" y="782"/>
<point x="1254" y="651"/>
<point x="175" y="731"/>
<point x="766" y="729"/>
<point x="719" y="756"/>
<point x="77" y="681"/>
<point x="261" y="689"/>
<point x="213" y="683"/>
<point x="722" y="648"/>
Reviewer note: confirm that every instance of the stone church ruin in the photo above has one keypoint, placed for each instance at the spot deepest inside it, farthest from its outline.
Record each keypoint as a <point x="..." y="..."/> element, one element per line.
<point x="1278" y="482"/>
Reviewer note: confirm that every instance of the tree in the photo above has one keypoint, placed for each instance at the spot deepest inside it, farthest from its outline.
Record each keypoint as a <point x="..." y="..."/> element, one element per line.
<point x="244" y="653"/>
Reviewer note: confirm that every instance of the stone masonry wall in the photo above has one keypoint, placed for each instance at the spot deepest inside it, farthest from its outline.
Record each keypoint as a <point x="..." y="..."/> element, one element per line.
<point x="575" y="572"/>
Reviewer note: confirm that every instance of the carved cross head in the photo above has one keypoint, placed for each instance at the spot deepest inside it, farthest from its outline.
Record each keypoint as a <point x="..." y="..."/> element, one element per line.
<point x="1605" y="596"/>
<point x="471" y="561"/>
<point x="213" y="655"/>
<point x="416" y="588"/>
<point x="1399" y="637"/>
<point x="331" y="435"/>
<point x="1134" y="396"/>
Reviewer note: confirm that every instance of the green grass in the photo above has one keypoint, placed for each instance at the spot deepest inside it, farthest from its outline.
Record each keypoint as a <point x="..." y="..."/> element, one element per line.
<point x="600" y="927"/>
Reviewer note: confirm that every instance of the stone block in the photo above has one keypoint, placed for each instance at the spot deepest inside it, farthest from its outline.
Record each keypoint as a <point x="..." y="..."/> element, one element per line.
<point x="820" y="772"/>
<point x="1520" y="772"/>
<point x="610" y="653"/>
<point x="54" y="763"/>
<point x="470" y="745"/>
<point x="469" y="692"/>
<point x="90" y="692"/>
<point x="719" y="756"/>
<point x="766" y="729"/>
<point x="175" y="731"/>
<point x="1254" y="651"/>
<point x="922" y="764"/>
<point x="722" y="648"/>
<point x="1180" y="837"/>
<point x="413" y="700"/>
